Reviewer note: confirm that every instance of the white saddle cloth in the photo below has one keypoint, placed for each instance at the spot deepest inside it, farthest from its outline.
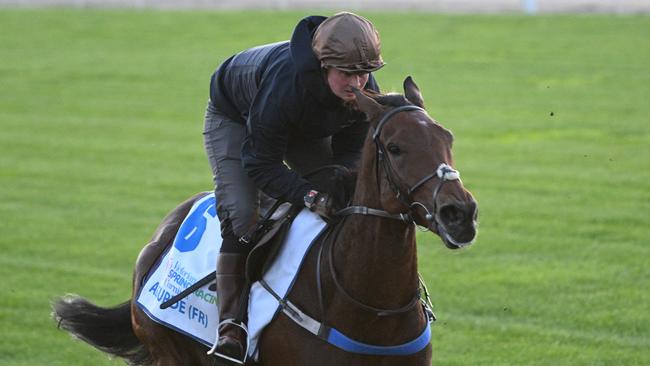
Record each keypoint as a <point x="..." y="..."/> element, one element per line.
<point x="193" y="256"/>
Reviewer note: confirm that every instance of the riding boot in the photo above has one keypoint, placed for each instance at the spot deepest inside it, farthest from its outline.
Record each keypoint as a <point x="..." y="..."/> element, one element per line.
<point x="230" y="348"/>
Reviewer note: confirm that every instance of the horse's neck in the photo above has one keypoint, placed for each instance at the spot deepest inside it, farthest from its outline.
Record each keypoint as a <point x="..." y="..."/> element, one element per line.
<point x="376" y="256"/>
<point x="377" y="262"/>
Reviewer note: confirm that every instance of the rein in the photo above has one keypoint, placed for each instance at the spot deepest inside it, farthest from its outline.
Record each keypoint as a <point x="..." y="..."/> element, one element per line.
<point x="328" y="242"/>
<point x="444" y="173"/>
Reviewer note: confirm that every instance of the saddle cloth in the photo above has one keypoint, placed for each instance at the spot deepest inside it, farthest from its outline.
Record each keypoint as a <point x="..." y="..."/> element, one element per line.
<point x="193" y="256"/>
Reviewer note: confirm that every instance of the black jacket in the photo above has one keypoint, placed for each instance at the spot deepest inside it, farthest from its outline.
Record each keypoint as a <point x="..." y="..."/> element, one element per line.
<point x="279" y="92"/>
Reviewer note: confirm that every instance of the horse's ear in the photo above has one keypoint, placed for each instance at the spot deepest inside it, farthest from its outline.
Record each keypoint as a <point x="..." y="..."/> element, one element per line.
<point x="412" y="92"/>
<point x="367" y="105"/>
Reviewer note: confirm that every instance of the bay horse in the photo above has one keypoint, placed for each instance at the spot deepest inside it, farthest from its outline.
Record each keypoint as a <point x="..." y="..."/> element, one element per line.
<point x="361" y="279"/>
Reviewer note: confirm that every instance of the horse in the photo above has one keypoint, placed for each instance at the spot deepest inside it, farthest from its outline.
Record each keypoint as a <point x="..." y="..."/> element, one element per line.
<point x="360" y="280"/>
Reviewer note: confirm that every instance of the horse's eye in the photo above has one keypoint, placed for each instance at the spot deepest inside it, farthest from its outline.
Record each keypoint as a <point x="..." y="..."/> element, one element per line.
<point x="394" y="149"/>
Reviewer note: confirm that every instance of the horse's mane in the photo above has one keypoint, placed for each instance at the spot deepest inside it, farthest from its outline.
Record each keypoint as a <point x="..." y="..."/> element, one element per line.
<point x="392" y="99"/>
<point x="388" y="99"/>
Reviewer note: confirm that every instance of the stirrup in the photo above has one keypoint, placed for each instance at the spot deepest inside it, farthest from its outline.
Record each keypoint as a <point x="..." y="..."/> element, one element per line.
<point x="213" y="350"/>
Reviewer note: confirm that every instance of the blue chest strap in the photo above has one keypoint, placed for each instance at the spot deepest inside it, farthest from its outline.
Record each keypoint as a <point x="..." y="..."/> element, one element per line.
<point x="340" y="340"/>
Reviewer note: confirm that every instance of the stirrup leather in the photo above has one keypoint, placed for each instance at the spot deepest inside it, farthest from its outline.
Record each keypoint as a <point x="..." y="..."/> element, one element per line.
<point x="213" y="350"/>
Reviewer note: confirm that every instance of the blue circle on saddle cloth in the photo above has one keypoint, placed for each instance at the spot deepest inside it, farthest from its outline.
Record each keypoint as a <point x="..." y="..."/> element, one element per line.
<point x="191" y="231"/>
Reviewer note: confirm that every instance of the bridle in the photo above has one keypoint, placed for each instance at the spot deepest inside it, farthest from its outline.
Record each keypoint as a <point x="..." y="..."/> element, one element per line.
<point x="443" y="172"/>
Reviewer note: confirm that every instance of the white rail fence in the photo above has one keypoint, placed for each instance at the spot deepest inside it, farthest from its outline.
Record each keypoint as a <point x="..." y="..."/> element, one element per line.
<point x="461" y="6"/>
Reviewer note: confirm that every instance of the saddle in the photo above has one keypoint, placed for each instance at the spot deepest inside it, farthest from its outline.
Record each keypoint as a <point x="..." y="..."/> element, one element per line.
<point x="271" y="230"/>
<point x="268" y="235"/>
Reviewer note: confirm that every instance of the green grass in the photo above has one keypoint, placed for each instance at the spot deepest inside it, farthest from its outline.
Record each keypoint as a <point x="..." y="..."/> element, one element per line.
<point x="101" y="118"/>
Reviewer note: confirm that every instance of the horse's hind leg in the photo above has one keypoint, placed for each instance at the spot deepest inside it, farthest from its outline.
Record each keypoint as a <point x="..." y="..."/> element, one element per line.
<point x="167" y="347"/>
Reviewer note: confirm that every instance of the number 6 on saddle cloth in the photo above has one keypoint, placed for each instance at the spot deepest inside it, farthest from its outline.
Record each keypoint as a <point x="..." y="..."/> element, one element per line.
<point x="267" y="236"/>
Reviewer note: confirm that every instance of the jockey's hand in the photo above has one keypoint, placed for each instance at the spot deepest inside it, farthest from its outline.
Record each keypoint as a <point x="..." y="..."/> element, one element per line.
<point x="320" y="203"/>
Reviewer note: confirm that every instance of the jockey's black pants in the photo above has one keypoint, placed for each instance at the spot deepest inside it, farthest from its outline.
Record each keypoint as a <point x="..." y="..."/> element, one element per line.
<point x="238" y="199"/>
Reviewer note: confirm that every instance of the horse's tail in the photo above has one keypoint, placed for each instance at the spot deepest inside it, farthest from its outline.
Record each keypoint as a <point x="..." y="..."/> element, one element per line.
<point x="107" y="329"/>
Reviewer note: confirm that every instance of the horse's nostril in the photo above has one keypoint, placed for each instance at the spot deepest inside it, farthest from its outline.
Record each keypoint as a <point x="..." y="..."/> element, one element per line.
<point x="451" y="214"/>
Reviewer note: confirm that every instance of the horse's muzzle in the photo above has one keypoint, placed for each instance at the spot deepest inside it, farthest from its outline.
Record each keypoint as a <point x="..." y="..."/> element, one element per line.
<point x="457" y="223"/>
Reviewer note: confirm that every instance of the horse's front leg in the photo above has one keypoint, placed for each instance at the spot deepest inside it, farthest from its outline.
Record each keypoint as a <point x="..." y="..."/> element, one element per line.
<point x="284" y="344"/>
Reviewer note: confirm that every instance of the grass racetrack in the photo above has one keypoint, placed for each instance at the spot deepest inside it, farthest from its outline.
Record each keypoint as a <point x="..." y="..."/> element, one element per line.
<point x="101" y="115"/>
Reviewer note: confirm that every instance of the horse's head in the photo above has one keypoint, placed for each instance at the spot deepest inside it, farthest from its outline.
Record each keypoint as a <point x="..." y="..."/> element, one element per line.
<point x="409" y="155"/>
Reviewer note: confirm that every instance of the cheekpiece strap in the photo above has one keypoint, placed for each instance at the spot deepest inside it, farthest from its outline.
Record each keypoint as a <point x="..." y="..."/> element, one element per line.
<point x="367" y="211"/>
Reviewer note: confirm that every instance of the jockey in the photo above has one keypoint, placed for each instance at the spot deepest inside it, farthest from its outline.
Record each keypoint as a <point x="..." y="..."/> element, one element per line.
<point x="276" y="112"/>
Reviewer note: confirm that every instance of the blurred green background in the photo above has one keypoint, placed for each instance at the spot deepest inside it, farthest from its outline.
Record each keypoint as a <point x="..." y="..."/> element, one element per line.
<point x="101" y="114"/>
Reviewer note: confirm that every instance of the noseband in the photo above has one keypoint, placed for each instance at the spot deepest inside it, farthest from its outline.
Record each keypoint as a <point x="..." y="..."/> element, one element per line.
<point x="444" y="173"/>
